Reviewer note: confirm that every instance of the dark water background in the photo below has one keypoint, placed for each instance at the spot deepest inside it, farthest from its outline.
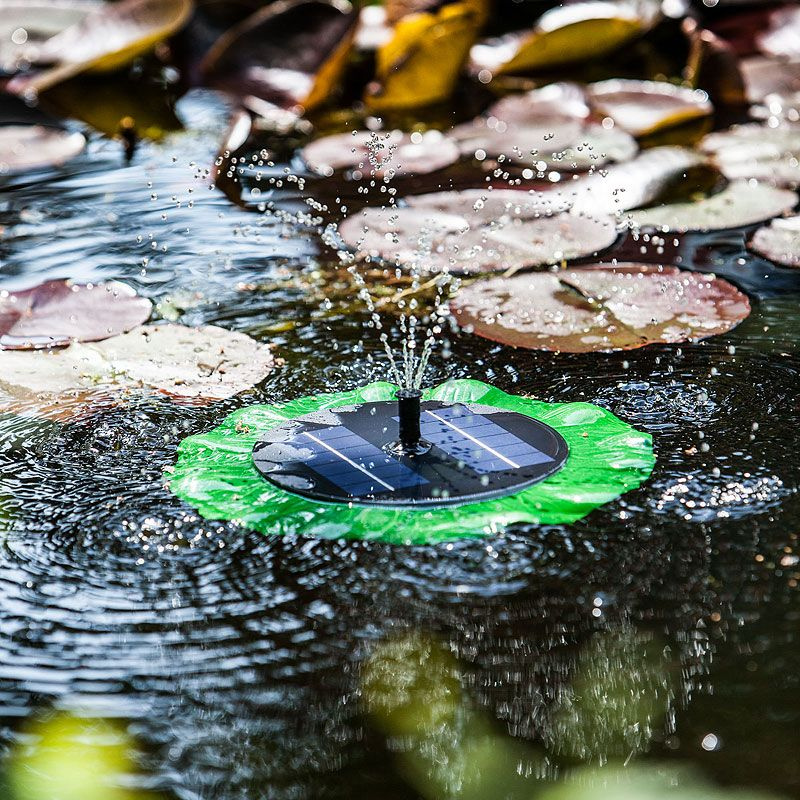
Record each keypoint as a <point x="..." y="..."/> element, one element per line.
<point x="235" y="656"/>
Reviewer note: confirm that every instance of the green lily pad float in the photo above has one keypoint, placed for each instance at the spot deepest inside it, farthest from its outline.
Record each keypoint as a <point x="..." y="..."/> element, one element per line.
<point x="215" y="472"/>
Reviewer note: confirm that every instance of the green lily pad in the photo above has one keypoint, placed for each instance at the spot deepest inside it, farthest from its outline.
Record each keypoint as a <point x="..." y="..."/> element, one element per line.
<point x="566" y="34"/>
<point x="215" y="472"/>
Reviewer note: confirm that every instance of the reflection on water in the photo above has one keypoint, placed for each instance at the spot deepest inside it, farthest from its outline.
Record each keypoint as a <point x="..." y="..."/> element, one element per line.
<point x="236" y="660"/>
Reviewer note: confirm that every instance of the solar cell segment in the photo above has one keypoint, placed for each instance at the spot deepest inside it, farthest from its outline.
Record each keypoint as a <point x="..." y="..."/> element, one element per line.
<point x="477" y="441"/>
<point x="353" y="464"/>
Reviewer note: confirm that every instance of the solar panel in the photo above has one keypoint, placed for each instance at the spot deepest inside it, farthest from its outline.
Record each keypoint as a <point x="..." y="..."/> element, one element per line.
<point x="475" y="453"/>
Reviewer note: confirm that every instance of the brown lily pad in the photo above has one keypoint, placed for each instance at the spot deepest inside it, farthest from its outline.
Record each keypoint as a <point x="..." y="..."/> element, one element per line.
<point x="290" y="53"/>
<point x="29" y="147"/>
<point x="474" y="231"/>
<point x="644" y="107"/>
<point x="764" y="152"/>
<point x="104" y="40"/>
<point x="207" y="362"/>
<point x="779" y="241"/>
<point x="740" y="203"/>
<point x="381" y="154"/>
<point x="600" y="309"/>
<point x="57" y="313"/>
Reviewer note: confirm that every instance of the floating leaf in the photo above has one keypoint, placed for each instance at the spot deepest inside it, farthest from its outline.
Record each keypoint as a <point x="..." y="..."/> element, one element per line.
<point x="782" y="36"/>
<point x="544" y="128"/>
<point x="475" y="231"/>
<point x="556" y="143"/>
<point x="420" y="64"/>
<point x="650" y="176"/>
<point x="290" y="53"/>
<point x="600" y="308"/>
<point x="565" y="35"/>
<point x="381" y="154"/>
<point x="56" y="313"/>
<point x="643" y="107"/>
<point x="779" y="241"/>
<point x="29" y="147"/>
<point x="757" y="151"/>
<point x="104" y="41"/>
<point x="26" y="24"/>
<point x="562" y="100"/>
<point x="207" y="362"/>
<point x="111" y="104"/>
<point x="738" y="204"/>
<point x="773" y="83"/>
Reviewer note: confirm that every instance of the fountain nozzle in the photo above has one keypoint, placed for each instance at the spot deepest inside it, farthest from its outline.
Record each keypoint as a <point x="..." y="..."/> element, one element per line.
<point x="410" y="442"/>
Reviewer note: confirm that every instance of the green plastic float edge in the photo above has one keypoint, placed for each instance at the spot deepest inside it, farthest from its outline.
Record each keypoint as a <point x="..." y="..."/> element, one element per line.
<point x="215" y="473"/>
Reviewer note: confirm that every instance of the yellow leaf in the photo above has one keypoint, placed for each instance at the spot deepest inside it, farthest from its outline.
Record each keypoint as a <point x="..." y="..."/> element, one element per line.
<point x="420" y="64"/>
<point x="566" y="35"/>
<point x="105" y="40"/>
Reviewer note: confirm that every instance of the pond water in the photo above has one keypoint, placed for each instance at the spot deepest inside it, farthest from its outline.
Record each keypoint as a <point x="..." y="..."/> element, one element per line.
<point x="235" y="657"/>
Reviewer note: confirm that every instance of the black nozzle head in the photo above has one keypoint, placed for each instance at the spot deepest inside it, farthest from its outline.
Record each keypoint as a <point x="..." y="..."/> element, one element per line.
<point x="409" y="412"/>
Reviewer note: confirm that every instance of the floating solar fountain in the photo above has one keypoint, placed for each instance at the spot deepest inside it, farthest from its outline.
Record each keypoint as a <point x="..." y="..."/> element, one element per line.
<point x="461" y="459"/>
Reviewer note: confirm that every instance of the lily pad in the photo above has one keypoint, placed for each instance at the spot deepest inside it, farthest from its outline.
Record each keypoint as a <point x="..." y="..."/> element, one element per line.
<point x="645" y="179"/>
<point x="474" y="231"/>
<point x="421" y="63"/>
<point x="738" y="204"/>
<point x="779" y="241"/>
<point x="545" y="127"/>
<point x="764" y="152"/>
<point x="26" y="24"/>
<point x="382" y="154"/>
<point x="782" y="36"/>
<point x="29" y="147"/>
<point x="104" y="40"/>
<point x="207" y="362"/>
<point x="564" y="143"/>
<point x="599" y="309"/>
<point x="773" y="83"/>
<point x="289" y="53"/>
<point x="643" y="107"/>
<point x="561" y="100"/>
<point x="565" y="35"/>
<point x="57" y="313"/>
